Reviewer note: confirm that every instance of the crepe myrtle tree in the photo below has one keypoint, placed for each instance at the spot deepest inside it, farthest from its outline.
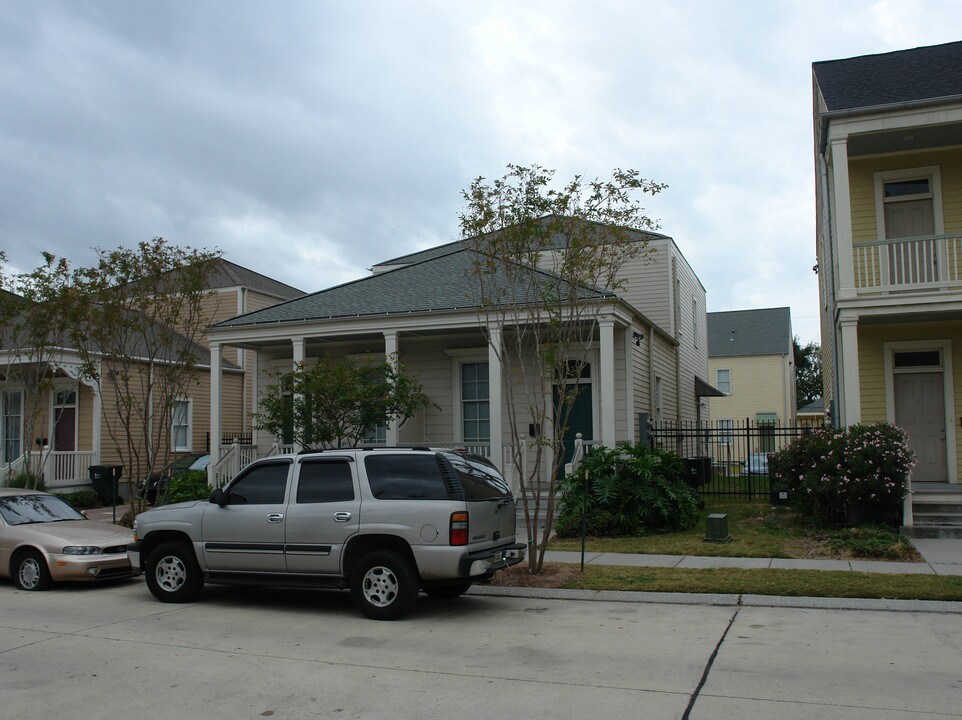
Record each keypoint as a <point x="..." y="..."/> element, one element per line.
<point x="336" y="403"/>
<point x="32" y="331"/>
<point x="545" y="267"/>
<point x="136" y="318"/>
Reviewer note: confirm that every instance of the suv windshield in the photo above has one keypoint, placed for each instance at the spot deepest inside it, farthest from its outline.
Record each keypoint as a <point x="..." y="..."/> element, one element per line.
<point x="25" y="509"/>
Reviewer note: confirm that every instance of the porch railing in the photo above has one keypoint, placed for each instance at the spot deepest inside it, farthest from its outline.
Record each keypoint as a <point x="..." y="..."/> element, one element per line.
<point x="903" y="264"/>
<point x="59" y="468"/>
<point x="233" y="458"/>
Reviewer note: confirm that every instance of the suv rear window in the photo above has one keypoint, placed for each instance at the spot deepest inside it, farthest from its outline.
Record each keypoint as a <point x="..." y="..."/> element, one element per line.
<point x="480" y="479"/>
<point x="405" y="477"/>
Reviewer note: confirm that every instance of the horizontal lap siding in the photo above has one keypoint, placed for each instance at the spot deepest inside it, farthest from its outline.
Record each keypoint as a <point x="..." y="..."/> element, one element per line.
<point x="758" y="384"/>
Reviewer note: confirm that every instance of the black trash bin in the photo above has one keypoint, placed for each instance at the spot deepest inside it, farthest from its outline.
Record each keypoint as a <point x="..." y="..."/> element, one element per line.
<point x="104" y="479"/>
<point x="697" y="471"/>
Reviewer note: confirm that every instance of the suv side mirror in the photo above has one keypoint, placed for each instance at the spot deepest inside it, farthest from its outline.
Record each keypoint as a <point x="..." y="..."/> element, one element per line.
<point x="218" y="497"/>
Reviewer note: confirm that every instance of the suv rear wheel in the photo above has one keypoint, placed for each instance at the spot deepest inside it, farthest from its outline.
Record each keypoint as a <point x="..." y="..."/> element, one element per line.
<point x="173" y="574"/>
<point x="384" y="585"/>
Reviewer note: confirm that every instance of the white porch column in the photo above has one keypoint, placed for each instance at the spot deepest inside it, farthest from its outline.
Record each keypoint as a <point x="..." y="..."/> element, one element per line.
<point x="298" y="346"/>
<point x="842" y="219"/>
<point x="216" y="377"/>
<point x="254" y="369"/>
<point x="607" y="379"/>
<point x="851" y="400"/>
<point x="495" y="394"/>
<point x="98" y="405"/>
<point x="391" y="356"/>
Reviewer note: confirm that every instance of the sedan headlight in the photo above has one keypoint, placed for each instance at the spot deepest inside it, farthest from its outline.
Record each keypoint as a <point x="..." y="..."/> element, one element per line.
<point x="82" y="550"/>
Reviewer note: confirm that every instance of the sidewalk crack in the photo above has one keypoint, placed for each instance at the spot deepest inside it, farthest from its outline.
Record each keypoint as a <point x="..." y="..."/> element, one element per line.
<point x="711" y="661"/>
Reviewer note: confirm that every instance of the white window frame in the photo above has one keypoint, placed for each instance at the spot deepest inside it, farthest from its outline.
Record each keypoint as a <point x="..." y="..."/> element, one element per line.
<point x="931" y="173"/>
<point x="459" y="357"/>
<point x="658" y="399"/>
<point x="726" y="431"/>
<point x="718" y="382"/>
<point x="188" y="447"/>
<point x="3" y="423"/>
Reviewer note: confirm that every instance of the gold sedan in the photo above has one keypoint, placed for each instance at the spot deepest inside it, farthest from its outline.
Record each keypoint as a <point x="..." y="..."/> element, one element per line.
<point x="44" y="540"/>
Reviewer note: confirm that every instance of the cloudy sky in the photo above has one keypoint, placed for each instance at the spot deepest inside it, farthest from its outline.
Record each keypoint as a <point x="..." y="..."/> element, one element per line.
<point x="308" y="140"/>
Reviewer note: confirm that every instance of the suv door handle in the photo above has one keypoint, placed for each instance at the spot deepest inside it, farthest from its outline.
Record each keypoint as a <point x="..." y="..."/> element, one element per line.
<point x="275" y="517"/>
<point x="342" y="516"/>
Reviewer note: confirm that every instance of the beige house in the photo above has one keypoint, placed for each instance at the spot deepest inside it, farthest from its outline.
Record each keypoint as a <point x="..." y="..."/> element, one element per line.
<point x="650" y="348"/>
<point x="750" y="361"/>
<point x="73" y="428"/>
<point x="888" y="158"/>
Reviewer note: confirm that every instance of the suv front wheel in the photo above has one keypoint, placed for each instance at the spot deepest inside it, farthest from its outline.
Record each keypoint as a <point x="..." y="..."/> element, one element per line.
<point x="384" y="585"/>
<point x="173" y="574"/>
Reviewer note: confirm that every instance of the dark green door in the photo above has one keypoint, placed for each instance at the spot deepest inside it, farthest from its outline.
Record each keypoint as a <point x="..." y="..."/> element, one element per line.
<point x="579" y="421"/>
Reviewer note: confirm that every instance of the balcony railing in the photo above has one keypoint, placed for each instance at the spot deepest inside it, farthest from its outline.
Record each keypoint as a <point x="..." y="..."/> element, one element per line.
<point x="909" y="264"/>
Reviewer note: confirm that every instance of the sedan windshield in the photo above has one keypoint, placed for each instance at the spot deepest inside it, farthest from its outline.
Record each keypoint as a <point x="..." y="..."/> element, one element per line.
<point x="24" y="509"/>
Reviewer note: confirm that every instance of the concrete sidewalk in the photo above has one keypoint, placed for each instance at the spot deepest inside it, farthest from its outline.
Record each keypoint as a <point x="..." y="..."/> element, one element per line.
<point x="942" y="557"/>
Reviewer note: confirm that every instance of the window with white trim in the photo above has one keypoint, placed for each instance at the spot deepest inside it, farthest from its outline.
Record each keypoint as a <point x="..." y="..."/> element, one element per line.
<point x="475" y="406"/>
<point x="723" y="380"/>
<point x="725" y="432"/>
<point x="12" y="425"/>
<point x="180" y="431"/>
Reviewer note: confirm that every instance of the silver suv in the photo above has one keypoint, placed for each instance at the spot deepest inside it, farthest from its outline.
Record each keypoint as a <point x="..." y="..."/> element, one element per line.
<point x="385" y="523"/>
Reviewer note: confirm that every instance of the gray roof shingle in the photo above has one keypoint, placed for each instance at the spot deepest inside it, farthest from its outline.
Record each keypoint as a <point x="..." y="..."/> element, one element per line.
<point x="923" y="73"/>
<point x="765" y="331"/>
<point x="438" y="283"/>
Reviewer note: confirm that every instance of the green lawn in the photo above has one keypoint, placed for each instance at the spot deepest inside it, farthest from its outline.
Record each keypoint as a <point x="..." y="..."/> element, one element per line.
<point x="791" y="583"/>
<point x="757" y="528"/>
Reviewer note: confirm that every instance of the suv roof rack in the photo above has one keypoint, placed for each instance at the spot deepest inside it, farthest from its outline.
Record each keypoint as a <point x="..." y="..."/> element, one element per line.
<point x="366" y="447"/>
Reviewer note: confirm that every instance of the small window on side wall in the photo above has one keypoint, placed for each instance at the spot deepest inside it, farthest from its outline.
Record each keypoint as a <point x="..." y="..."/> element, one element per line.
<point x="723" y="380"/>
<point x="180" y="426"/>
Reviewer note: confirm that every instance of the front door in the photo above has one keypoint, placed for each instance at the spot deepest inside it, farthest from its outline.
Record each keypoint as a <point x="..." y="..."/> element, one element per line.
<point x="65" y="420"/>
<point x="579" y="421"/>
<point x="920" y="411"/>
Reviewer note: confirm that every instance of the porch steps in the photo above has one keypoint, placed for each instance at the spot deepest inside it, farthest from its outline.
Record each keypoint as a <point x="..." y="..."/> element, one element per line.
<point x="936" y="511"/>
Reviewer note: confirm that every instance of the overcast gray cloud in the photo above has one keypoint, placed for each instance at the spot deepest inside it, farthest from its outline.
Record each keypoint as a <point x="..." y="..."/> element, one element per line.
<point x="308" y="140"/>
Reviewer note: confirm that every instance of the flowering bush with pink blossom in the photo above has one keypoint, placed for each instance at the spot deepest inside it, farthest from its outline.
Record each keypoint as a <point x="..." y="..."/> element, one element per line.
<point x="836" y="476"/>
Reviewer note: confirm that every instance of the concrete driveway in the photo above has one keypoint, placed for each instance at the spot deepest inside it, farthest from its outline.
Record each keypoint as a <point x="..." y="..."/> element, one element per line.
<point x="113" y="651"/>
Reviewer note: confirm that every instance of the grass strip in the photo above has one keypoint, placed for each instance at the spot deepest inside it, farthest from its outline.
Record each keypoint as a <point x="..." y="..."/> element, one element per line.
<point x="788" y="583"/>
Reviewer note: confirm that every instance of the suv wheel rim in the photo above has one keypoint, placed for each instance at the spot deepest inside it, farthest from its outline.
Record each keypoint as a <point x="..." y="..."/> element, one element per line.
<point x="380" y="586"/>
<point x="29" y="573"/>
<point x="171" y="573"/>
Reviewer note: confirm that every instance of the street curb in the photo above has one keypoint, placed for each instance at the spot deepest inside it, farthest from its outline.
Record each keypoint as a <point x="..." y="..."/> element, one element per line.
<point x="723" y="600"/>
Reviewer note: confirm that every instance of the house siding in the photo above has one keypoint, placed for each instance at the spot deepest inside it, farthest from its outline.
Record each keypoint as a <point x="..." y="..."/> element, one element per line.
<point x="872" y="379"/>
<point x="759" y="385"/>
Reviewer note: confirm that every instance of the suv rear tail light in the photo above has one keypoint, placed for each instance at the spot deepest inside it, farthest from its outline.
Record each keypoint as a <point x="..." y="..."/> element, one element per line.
<point x="459" y="528"/>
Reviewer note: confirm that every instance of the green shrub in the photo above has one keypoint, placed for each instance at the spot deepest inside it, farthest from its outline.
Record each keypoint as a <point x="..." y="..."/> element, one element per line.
<point x="26" y="479"/>
<point x="630" y="490"/>
<point x="186" y="486"/>
<point x="82" y="499"/>
<point x="837" y="475"/>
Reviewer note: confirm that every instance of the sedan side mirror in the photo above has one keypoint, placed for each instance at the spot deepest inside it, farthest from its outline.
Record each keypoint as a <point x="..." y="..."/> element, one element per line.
<point x="218" y="497"/>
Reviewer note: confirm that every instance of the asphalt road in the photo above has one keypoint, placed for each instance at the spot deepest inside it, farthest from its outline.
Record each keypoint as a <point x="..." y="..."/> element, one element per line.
<point x="113" y="651"/>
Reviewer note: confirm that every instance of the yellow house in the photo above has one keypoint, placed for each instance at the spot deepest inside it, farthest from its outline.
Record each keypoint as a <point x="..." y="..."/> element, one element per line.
<point x="888" y="160"/>
<point x="750" y="362"/>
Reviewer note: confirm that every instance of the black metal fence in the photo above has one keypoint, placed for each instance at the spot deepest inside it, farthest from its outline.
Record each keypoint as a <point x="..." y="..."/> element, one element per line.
<point x="726" y="458"/>
<point x="227" y="438"/>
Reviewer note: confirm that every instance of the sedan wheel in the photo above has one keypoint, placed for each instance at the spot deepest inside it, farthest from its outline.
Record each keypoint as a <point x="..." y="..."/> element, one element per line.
<point x="32" y="572"/>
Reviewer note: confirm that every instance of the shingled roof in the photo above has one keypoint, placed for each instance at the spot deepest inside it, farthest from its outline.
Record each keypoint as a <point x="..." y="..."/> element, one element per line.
<point x="766" y="331"/>
<point x="431" y="285"/>
<point x="919" y="74"/>
<point x="228" y="274"/>
<point x="557" y="242"/>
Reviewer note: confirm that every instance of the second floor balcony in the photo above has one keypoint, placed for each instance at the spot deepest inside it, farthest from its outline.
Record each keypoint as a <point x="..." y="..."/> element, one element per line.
<point x="909" y="265"/>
